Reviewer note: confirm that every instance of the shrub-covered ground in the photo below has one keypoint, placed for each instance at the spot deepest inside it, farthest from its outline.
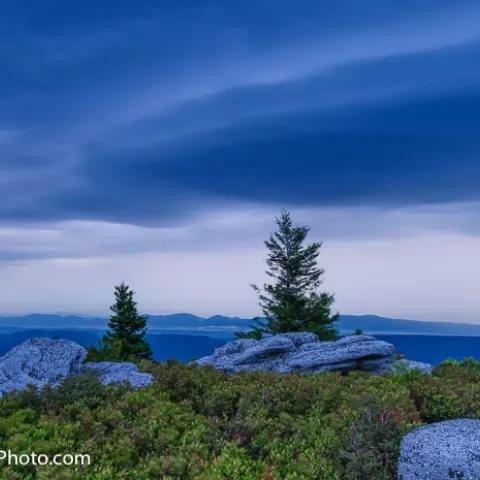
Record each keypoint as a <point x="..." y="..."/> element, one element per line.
<point x="197" y="423"/>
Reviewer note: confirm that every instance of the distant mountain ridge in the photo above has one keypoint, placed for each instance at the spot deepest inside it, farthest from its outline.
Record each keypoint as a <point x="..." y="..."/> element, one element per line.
<point x="188" y="322"/>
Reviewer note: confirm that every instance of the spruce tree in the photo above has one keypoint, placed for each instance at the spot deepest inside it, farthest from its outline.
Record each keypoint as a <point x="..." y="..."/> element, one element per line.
<point x="292" y="303"/>
<point x="126" y="338"/>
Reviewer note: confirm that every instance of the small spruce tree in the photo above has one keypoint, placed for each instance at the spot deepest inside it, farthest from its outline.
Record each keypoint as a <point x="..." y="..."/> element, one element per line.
<point x="293" y="303"/>
<point x="126" y="338"/>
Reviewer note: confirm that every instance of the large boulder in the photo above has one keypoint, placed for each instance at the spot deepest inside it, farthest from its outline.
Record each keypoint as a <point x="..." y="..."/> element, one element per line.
<point x="303" y="352"/>
<point x="441" y="451"/>
<point x="42" y="360"/>
<point x="39" y="361"/>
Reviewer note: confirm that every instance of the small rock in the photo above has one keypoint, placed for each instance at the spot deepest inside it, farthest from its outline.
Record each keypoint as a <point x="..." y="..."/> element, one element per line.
<point x="411" y="365"/>
<point x="118" y="372"/>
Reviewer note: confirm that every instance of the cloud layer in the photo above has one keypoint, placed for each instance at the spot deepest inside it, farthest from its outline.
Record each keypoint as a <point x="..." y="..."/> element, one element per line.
<point x="308" y="106"/>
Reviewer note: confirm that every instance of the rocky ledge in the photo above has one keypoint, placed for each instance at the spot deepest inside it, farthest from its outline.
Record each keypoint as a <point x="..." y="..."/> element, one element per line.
<point x="303" y="352"/>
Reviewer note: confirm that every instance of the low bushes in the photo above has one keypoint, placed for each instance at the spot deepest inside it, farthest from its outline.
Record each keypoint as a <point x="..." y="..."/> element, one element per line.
<point x="196" y="423"/>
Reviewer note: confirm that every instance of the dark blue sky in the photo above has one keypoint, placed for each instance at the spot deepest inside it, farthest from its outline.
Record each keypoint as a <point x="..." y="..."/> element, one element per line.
<point x="109" y="112"/>
<point x="154" y="115"/>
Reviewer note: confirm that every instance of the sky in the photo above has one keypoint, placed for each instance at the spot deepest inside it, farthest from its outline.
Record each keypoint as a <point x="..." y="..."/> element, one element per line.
<point x="155" y="143"/>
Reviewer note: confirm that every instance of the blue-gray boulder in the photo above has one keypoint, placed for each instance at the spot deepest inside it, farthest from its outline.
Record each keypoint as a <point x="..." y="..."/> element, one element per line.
<point x="441" y="451"/>
<point x="302" y="352"/>
<point x="41" y="360"/>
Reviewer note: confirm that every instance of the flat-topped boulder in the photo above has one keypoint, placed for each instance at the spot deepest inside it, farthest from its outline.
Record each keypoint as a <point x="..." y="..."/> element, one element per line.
<point x="303" y="352"/>
<point x="41" y="360"/>
<point x="441" y="451"/>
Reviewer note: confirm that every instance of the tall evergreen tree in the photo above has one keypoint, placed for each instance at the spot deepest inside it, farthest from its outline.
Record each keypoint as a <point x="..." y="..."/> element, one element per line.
<point x="126" y="338"/>
<point x="292" y="302"/>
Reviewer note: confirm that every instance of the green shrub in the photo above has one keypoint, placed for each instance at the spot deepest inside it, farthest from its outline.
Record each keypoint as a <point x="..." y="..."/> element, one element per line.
<point x="199" y="423"/>
<point x="233" y="463"/>
<point x="451" y="392"/>
<point x="371" y="423"/>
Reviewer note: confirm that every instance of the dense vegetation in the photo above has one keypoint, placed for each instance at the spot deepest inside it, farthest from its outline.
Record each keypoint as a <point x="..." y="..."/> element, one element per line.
<point x="197" y="423"/>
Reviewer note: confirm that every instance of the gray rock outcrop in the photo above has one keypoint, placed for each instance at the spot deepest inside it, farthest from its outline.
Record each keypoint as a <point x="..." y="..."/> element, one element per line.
<point x="441" y="451"/>
<point x="42" y="360"/>
<point x="303" y="352"/>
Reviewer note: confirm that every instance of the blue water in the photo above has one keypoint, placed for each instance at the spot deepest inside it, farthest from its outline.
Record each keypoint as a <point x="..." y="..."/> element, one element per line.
<point x="434" y="349"/>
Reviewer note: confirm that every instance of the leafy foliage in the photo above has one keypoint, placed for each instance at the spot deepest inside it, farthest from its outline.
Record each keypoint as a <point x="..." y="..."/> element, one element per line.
<point x="292" y="303"/>
<point x="200" y="423"/>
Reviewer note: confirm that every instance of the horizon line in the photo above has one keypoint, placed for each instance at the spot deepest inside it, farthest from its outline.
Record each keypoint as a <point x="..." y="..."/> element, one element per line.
<point x="106" y="316"/>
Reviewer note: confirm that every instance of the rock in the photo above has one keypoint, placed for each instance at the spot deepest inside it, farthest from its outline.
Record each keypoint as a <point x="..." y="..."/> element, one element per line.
<point x="411" y="365"/>
<point x="276" y="345"/>
<point x="237" y="346"/>
<point x="441" y="451"/>
<point x="39" y="361"/>
<point x="118" y="372"/>
<point x="302" y="352"/>
<point x="42" y="360"/>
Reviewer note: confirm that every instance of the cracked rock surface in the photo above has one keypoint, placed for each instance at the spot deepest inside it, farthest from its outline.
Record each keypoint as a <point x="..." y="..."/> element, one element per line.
<point x="43" y="360"/>
<point x="303" y="352"/>
<point x="441" y="451"/>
